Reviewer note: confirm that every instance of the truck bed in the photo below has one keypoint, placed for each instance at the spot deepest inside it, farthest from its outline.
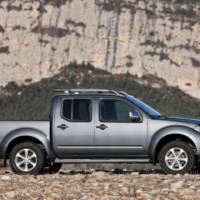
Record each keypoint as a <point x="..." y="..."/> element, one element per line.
<point x="7" y="127"/>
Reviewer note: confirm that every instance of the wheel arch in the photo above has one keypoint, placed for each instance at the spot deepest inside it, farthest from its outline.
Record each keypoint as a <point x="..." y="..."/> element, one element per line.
<point x="26" y="135"/>
<point x="169" y="134"/>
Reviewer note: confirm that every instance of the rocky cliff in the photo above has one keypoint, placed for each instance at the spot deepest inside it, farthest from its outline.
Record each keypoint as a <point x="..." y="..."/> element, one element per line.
<point x="159" y="37"/>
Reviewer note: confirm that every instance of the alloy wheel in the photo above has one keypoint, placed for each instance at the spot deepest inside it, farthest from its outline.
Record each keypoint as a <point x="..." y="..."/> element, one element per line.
<point x="176" y="159"/>
<point x="26" y="160"/>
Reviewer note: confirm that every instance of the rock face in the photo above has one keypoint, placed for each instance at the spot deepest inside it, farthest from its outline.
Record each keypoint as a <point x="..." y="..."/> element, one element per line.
<point x="159" y="37"/>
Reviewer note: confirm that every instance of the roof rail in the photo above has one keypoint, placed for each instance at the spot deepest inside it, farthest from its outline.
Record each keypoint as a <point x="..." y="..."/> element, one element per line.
<point x="123" y="93"/>
<point x="78" y="91"/>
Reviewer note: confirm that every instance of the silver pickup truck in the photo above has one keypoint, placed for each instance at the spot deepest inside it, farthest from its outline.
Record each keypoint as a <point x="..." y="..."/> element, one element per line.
<point x="100" y="126"/>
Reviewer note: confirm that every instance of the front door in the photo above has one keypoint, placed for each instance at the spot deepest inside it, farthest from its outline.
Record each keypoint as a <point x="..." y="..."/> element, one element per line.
<point x="74" y="127"/>
<point x="115" y="133"/>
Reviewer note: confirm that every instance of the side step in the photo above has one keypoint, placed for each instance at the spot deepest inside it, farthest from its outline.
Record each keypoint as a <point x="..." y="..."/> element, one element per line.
<point x="71" y="161"/>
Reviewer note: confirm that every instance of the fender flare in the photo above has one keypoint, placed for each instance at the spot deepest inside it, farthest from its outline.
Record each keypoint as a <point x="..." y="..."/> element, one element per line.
<point x="26" y="132"/>
<point x="183" y="131"/>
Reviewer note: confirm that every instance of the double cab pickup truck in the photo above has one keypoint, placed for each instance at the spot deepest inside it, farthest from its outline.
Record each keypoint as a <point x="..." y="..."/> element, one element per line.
<point x="100" y="126"/>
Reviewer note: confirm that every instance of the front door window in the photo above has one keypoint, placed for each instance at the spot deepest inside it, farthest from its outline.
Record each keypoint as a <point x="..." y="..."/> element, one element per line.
<point x="115" y="111"/>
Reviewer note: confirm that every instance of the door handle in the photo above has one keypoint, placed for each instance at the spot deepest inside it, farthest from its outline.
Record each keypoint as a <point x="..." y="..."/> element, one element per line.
<point x="102" y="126"/>
<point x="62" y="126"/>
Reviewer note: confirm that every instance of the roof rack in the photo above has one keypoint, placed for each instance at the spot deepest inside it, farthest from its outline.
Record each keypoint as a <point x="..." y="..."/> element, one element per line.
<point x="80" y="91"/>
<point x="123" y="93"/>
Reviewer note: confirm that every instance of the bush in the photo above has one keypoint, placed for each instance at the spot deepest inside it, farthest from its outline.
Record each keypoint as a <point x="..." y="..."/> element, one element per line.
<point x="32" y="102"/>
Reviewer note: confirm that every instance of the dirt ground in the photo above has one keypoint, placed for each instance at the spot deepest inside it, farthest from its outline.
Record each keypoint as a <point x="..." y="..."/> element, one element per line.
<point x="89" y="184"/>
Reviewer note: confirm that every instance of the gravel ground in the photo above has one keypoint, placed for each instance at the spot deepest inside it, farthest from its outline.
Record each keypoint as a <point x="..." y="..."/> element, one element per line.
<point x="104" y="185"/>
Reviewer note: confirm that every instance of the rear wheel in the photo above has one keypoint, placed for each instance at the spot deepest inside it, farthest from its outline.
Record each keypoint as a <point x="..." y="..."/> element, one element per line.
<point x="26" y="158"/>
<point x="176" y="157"/>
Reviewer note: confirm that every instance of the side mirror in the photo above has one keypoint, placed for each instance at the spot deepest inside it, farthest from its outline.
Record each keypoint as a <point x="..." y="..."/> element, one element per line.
<point x="134" y="116"/>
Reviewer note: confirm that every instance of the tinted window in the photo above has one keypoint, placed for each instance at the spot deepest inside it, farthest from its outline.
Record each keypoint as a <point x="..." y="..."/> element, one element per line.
<point x="81" y="109"/>
<point x="114" y="110"/>
<point x="67" y="104"/>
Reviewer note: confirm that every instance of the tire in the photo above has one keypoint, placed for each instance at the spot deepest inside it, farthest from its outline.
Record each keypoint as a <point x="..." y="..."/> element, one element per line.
<point x="26" y="158"/>
<point x="176" y="157"/>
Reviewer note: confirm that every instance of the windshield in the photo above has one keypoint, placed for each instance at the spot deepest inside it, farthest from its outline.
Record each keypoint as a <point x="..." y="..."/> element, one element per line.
<point x="143" y="106"/>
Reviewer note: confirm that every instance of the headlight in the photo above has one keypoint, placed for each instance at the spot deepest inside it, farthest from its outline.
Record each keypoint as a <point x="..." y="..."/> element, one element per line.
<point x="197" y="128"/>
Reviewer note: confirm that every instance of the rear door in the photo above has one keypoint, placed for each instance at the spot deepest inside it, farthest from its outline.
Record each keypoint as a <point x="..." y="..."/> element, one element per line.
<point x="115" y="133"/>
<point x="74" y="127"/>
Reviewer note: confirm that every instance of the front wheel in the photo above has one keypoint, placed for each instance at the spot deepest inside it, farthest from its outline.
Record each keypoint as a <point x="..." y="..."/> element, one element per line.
<point x="176" y="157"/>
<point x="26" y="158"/>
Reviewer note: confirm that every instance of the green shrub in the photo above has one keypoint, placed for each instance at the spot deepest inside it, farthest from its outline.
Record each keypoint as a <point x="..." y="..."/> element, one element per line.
<point x="185" y="12"/>
<point x="187" y="1"/>
<point x="32" y="102"/>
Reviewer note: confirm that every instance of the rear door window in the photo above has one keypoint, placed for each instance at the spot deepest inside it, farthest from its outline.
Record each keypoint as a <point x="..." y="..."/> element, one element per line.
<point x="77" y="110"/>
<point x="67" y="109"/>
